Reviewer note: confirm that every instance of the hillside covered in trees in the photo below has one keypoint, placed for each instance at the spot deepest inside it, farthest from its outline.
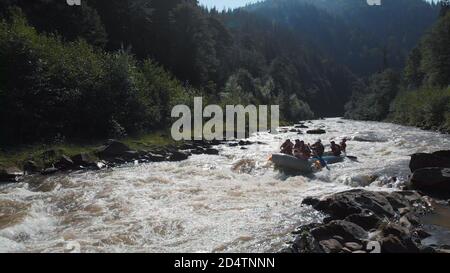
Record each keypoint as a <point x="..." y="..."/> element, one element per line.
<point x="114" y="67"/>
<point x="418" y="95"/>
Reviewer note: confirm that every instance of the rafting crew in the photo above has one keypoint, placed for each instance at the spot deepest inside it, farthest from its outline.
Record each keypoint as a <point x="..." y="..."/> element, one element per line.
<point x="302" y="150"/>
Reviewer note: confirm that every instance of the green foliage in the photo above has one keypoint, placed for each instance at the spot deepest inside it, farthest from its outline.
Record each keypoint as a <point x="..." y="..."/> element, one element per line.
<point x="372" y="102"/>
<point x="50" y="88"/>
<point x="426" y="108"/>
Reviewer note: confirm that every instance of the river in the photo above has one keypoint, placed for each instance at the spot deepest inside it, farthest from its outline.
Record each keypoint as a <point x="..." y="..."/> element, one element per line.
<point x="234" y="202"/>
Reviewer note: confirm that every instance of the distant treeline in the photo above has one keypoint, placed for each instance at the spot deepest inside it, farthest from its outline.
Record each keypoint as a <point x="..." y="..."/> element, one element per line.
<point x="420" y="94"/>
<point x="114" y="67"/>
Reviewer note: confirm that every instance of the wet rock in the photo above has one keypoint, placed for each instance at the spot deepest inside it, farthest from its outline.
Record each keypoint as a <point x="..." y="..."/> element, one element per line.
<point x="436" y="160"/>
<point x="353" y="246"/>
<point x="393" y="244"/>
<point x="421" y="233"/>
<point x="346" y="250"/>
<point x="64" y="163"/>
<point x="434" y="181"/>
<point x="396" y="230"/>
<point x="113" y="149"/>
<point x="211" y="151"/>
<point x="339" y="238"/>
<point x="10" y="174"/>
<point x="331" y="246"/>
<point x="443" y="154"/>
<point x="83" y="159"/>
<point x="316" y="132"/>
<point x="397" y="239"/>
<point x="245" y="143"/>
<point x="131" y="155"/>
<point x="119" y="160"/>
<point x="306" y="243"/>
<point x="31" y="167"/>
<point x="178" y="156"/>
<point x="156" y="157"/>
<point x="343" y="204"/>
<point x="50" y="171"/>
<point x="366" y="220"/>
<point x="347" y="230"/>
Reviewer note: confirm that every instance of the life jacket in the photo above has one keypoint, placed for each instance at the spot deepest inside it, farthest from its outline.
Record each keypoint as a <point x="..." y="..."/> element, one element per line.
<point x="336" y="149"/>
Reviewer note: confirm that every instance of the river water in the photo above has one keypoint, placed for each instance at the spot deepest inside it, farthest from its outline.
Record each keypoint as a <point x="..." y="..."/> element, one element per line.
<point x="234" y="202"/>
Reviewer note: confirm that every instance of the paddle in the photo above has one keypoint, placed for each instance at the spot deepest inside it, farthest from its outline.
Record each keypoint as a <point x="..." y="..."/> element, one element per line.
<point x="352" y="158"/>
<point x="324" y="163"/>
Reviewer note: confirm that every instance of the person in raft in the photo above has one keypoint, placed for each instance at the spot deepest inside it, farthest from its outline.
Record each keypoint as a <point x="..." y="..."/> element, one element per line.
<point x="318" y="148"/>
<point x="343" y="145"/>
<point x="287" y="147"/>
<point x="301" y="150"/>
<point x="336" y="149"/>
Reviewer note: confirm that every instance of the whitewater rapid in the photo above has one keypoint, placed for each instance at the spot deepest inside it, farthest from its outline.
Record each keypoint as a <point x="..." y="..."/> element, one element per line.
<point x="234" y="202"/>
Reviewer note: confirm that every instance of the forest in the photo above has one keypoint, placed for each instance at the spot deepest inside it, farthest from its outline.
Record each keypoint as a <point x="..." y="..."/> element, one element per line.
<point x="111" y="68"/>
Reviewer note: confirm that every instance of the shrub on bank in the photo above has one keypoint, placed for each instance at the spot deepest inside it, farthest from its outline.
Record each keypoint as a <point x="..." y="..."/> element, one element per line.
<point x="427" y="108"/>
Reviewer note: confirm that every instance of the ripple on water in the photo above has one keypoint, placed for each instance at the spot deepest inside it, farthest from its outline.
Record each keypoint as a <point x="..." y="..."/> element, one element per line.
<point x="234" y="202"/>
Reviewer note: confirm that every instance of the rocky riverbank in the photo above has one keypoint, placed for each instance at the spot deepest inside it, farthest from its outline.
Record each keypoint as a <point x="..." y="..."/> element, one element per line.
<point x="361" y="221"/>
<point x="112" y="154"/>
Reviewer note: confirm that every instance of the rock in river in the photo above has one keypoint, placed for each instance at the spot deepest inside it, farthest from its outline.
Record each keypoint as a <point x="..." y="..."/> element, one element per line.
<point x="113" y="149"/>
<point x="316" y="132"/>
<point x="432" y="181"/>
<point x="440" y="159"/>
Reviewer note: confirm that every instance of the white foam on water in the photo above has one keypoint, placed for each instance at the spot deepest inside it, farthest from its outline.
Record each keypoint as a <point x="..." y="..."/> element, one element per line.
<point x="234" y="202"/>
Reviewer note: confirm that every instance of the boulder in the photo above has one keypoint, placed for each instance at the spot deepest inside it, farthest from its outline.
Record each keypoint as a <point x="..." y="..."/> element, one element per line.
<point x="343" y="204"/>
<point x="347" y="230"/>
<point x="443" y="154"/>
<point x="353" y="246"/>
<point x="331" y="246"/>
<point x="131" y="155"/>
<point x="178" y="156"/>
<point x="64" y="163"/>
<point x="49" y="171"/>
<point x="156" y="157"/>
<point x="432" y="181"/>
<point x="10" y="175"/>
<point x="394" y="244"/>
<point x="301" y="126"/>
<point x="113" y="149"/>
<point x="245" y="143"/>
<point x="436" y="160"/>
<point x="31" y="167"/>
<point x="366" y="220"/>
<point x="316" y="132"/>
<point x="397" y="239"/>
<point x="83" y="159"/>
<point x="211" y="151"/>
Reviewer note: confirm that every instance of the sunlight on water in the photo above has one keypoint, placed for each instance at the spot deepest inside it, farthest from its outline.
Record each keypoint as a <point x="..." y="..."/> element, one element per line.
<point x="234" y="202"/>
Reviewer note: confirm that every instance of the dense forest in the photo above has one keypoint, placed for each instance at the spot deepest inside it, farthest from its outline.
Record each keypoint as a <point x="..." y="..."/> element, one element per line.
<point x="110" y="68"/>
<point x="418" y="95"/>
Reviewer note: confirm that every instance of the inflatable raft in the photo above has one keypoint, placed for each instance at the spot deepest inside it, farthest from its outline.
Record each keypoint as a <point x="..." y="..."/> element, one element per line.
<point x="291" y="163"/>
